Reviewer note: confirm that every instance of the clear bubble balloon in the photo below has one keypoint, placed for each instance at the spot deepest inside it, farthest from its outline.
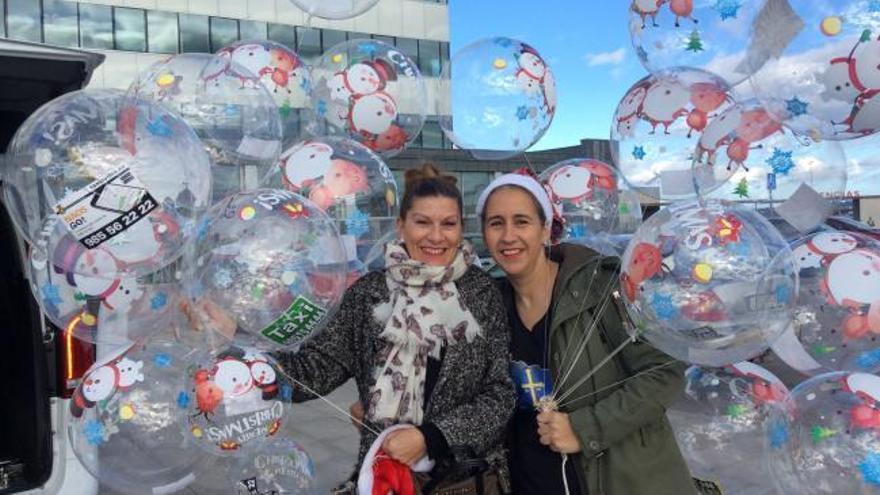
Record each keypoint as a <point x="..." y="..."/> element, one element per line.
<point x="709" y="283"/>
<point x="273" y="261"/>
<point x="234" y="401"/>
<point x="230" y="109"/>
<point x="502" y="98"/>
<point x="370" y="92"/>
<point x="657" y="125"/>
<point x="350" y="183"/>
<point x="823" y="439"/>
<point x="96" y="169"/>
<point x="719" y="420"/>
<point x="335" y="9"/>
<point x="708" y="35"/>
<point x="753" y="157"/>
<point x="284" y="75"/>
<point x="837" y="317"/>
<point x="585" y="192"/>
<point x="282" y="465"/>
<point x="124" y="423"/>
<point x="111" y="311"/>
<point x="820" y="66"/>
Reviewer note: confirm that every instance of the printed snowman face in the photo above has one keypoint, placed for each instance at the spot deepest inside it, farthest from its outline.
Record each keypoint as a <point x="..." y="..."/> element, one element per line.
<point x="528" y="83"/>
<point x="867" y="64"/>
<point x="124" y="295"/>
<point x="837" y="82"/>
<point x="805" y="257"/>
<point x="253" y="57"/>
<point x="664" y="99"/>
<point x="373" y="114"/>
<point x="307" y="162"/>
<point x="100" y="383"/>
<point x="233" y="377"/>
<point x="570" y="182"/>
<point x="129" y="372"/>
<point x="93" y="272"/>
<point x="137" y="244"/>
<point x="550" y="90"/>
<point x="833" y="243"/>
<point x="854" y="277"/>
<point x="262" y="373"/>
<point x="359" y="79"/>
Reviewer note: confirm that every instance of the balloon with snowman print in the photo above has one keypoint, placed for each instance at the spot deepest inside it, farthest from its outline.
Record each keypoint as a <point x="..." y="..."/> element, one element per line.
<point x="370" y="92"/>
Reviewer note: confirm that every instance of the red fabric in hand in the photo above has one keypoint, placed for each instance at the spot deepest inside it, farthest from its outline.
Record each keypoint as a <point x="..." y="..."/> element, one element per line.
<point x="391" y="476"/>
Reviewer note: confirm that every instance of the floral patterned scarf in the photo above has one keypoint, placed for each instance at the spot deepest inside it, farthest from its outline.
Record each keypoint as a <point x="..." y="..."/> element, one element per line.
<point x="425" y="313"/>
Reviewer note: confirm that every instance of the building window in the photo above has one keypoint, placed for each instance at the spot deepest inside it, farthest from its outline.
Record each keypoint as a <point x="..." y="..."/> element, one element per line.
<point x="162" y="32"/>
<point x="95" y="26"/>
<point x="409" y="47"/>
<point x="285" y="35"/>
<point x="444" y="55"/>
<point x="194" y="33"/>
<point x="308" y="43"/>
<point x="129" y="29"/>
<point x="331" y="38"/>
<point x="224" y="32"/>
<point x="252" y="30"/>
<point x="472" y="184"/>
<point x="59" y="23"/>
<point x="23" y="20"/>
<point x="432" y="135"/>
<point x="429" y="58"/>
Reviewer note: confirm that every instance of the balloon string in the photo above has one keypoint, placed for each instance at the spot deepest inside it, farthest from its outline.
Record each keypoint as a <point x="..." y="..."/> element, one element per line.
<point x="595" y="369"/>
<point x="617" y="383"/>
<point x="323" y="398"/>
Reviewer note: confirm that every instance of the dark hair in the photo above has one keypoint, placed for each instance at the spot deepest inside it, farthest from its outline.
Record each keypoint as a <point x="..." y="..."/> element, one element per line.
<point x="427" y="182"/>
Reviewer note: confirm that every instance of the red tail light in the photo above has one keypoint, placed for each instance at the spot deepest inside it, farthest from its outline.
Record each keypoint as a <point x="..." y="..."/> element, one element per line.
<point x="75" y="356"/>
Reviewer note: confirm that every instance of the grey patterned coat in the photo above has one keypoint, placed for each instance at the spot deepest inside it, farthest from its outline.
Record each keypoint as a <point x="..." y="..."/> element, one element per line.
<point x="473" y="398"/>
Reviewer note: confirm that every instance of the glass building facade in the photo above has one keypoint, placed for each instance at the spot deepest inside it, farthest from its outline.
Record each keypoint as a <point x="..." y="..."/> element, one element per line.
<point x="106" y="27"/>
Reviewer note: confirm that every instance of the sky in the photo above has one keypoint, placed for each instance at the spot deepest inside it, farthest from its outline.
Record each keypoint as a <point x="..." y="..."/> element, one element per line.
<point x="586" y="43"/>
<point x="588" y="46"/>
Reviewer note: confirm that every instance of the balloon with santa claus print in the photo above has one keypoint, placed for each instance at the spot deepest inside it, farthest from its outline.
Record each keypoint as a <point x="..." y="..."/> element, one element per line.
<point x="282" y="465"/>
<point x="837" y="317"/>
<point x="752" y="156"/>
<point x="657" y="125"/>
<point x="335" y="9"/>
<point x="229" y="107"/>
<point x="272" y="261"/>
<point x="284" y="75"/>
<point x="708" y="35"/>
<point x="350" y="183"/>
<point x="501" y="98"/>
<point x="709" y="283"/>
<point x="97" y="169"/>
<point x="112" y="311"/>
<point x="124" y="422"/>
<point x="820" y="72"/>
<point x="718" y="422"/>
<point x="585" y="192"/>
<point x="234" y="401"/>
<point x="370" y="92"/>
<point x="823" y="437"/>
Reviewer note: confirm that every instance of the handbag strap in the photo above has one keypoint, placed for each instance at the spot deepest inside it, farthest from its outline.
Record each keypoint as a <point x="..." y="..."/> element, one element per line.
<point x="469" y="466"/>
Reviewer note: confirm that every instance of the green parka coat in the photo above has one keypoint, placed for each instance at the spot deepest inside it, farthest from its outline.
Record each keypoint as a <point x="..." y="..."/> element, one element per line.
<point x="619" y="414"/>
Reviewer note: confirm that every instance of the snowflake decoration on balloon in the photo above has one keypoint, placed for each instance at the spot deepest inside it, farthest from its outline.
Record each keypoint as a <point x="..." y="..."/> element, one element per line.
<point x="638" y="152"/>
<point x="727" y="9"/>
<point x="223" y="278"/>
<point x="94" y="432"/>
<point x="780" y="161"/>
<point x="870" y="468"/>
<point x="51" y="295"/>
<point x="777" y="433"/>
<point x="357" y="223"/>
<point x="158" y="301"/>
<point x="796" y="107"/>
<point x="664" y="308"/>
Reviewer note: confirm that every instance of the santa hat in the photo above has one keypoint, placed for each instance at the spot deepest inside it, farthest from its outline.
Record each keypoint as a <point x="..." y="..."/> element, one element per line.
<point x="376" y="462"/>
